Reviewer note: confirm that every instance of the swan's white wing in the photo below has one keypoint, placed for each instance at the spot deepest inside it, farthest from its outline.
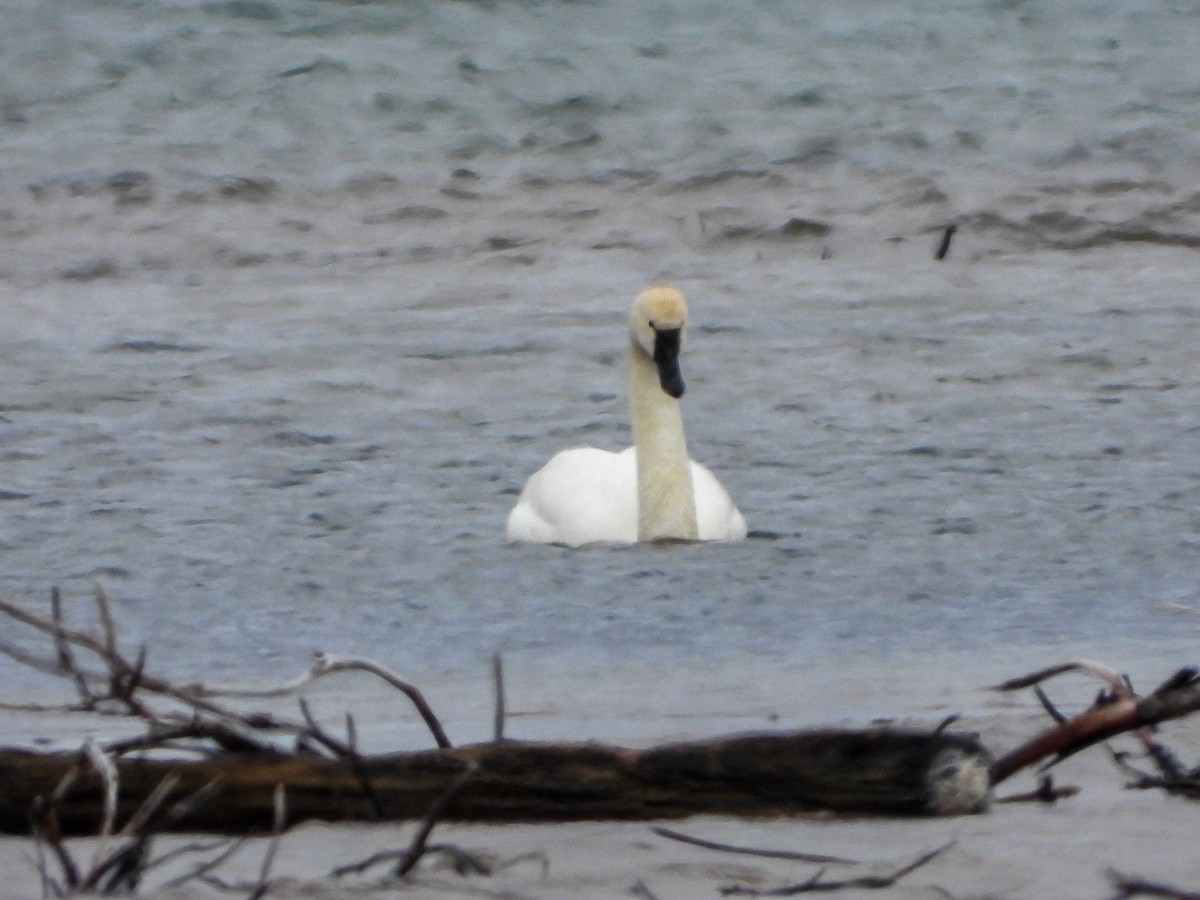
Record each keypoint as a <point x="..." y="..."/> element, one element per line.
<point x="580" y="496"/>
<point x="717" y="519"/>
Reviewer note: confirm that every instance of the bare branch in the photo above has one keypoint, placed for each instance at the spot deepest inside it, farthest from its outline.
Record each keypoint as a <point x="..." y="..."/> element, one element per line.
<point x="1128" y="886"/>
<point x="498" y="685"/>
<point x="1113" y="679"/>
<point x="231" y="846"/>
<point x="103" y="767"/>
<point x="1178" y="696"/>
<point x="416" y="849"/>
<point x="750" y="851"/>
<point x="327" y="664"/>
<point x="360" y="770"/>
<point x="868" y="882"/>
<point x="277" y="830"/>
<point x="63" y="654"/>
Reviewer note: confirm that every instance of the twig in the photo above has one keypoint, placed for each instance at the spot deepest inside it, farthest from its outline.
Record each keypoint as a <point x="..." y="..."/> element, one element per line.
<point x="63" y="654"/>
<point x="1128" y="886"/>
<point x="104" y="768"/>
<point x="231" y="846"/>
<point x="944" y="247"/>
<point x="104" y="609"/>
<point x="498" y="684"/>
<point x="1122" y="711"/>
<point x="225" y="737"/>
<point x="750" y="851"/>
<point x="45" y="828"/>
<point x="279" y="826"/>
<point x="360" y="770"/>
<point x="374" y="859"/>
<point x="416" y="849"/>
<point x="1046" y="793"/>
<point x="1114" y="679"/>
<point x="1051" y="710"/>
<point x="37" y="663"/>
<point x="327" y="664"/>
<point x="814" y="884"/>
<point x="139" y="822"/>
<point x="115" y="661"/>
<point x="318" y="734"/>
<point x="125" y="679"/>
<point x="465" y="862"/>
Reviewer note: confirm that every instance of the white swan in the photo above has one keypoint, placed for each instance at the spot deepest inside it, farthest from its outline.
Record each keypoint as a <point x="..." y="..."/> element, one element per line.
<point x="651" y="490"/>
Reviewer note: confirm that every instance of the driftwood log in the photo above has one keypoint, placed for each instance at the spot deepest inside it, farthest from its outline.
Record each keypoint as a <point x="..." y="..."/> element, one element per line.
<point x="883" y="771"/>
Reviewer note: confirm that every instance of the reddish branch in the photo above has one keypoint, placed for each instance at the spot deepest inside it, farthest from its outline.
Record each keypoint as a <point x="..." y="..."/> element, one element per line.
<point x="1116" y="712"/>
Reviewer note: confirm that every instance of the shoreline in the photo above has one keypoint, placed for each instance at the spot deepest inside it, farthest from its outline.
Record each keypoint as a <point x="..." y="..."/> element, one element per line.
<point x="1022" y="850"/>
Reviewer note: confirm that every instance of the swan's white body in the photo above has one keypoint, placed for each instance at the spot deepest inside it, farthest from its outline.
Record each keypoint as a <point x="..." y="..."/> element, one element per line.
<point x="649" y="491"/>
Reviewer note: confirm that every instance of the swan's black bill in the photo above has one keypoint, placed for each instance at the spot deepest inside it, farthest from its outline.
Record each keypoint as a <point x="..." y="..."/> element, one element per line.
<point x="666" y="358"/>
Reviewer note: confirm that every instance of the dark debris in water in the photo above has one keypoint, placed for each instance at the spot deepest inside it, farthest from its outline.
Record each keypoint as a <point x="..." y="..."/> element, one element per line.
<point x="91" y="270"/>
<point x="149" y="345"/>
<point x="954" y="526"/>
<point x="299" y="439"/>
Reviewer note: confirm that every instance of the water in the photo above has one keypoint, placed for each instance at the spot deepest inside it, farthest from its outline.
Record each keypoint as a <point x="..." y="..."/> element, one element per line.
<point x="298" y="293"/>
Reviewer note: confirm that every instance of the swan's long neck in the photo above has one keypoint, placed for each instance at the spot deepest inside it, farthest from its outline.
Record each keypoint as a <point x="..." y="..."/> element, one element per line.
<point x="666" y="498"/>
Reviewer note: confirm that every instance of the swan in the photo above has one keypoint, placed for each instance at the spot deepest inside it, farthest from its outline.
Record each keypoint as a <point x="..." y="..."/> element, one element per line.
<point x="650" y="491"/>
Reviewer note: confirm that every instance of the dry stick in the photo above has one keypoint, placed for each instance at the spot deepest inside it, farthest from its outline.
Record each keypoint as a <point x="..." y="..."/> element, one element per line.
<point x="63" y="654"/>
<point x="1098" y="669"/>
<point x="1051" y="710"/>
<point x="46" y="828"/>
<point x="814" y="884"/>
<point x="37" y="663"/>
<point x="326" y="664"/>
<point x="230" y="846"/>
<point x="279" y="826"/>
<point x="498" y="683"/>
<point x="373" y="860"/>
<point x="104" y="768"/>
<point x="127" y="864"/>
<point x="347" y="751"/>
<point x="1137" y="887"/>
<point x="944" y="247"/>
<point x="1046" y="792"/>
<point x="89" y="642"/>
<point x="160" y="735"/>
<point x="750" y="851"/>
<point x="125" y="686"/>
<point x="133" y="676"/>
<point x="416" y="849"/>
<point x="465" y="863"/>
<point x="196" y="697"/>
<point x="318" y="734"/>
<point x="140" y="820"/>
<point x="360" y="770"/>
<point x="640" y="890"/>
<point x="104" y="608"/>
<point x="1179" y="696"/>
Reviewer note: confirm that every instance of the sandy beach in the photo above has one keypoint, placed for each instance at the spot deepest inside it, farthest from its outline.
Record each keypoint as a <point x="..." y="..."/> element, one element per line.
<point x="1017" y="850"/>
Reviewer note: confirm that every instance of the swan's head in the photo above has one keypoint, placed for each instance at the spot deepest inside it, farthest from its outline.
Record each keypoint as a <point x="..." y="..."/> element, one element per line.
<point x="656" y="326"/>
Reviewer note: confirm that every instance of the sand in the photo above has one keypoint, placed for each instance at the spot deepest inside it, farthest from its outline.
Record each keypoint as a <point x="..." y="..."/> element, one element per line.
<point x="1019" y="850"/>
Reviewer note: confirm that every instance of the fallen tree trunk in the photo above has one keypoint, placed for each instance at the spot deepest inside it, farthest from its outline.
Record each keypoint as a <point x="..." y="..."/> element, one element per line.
<point x="884" y="771"/>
